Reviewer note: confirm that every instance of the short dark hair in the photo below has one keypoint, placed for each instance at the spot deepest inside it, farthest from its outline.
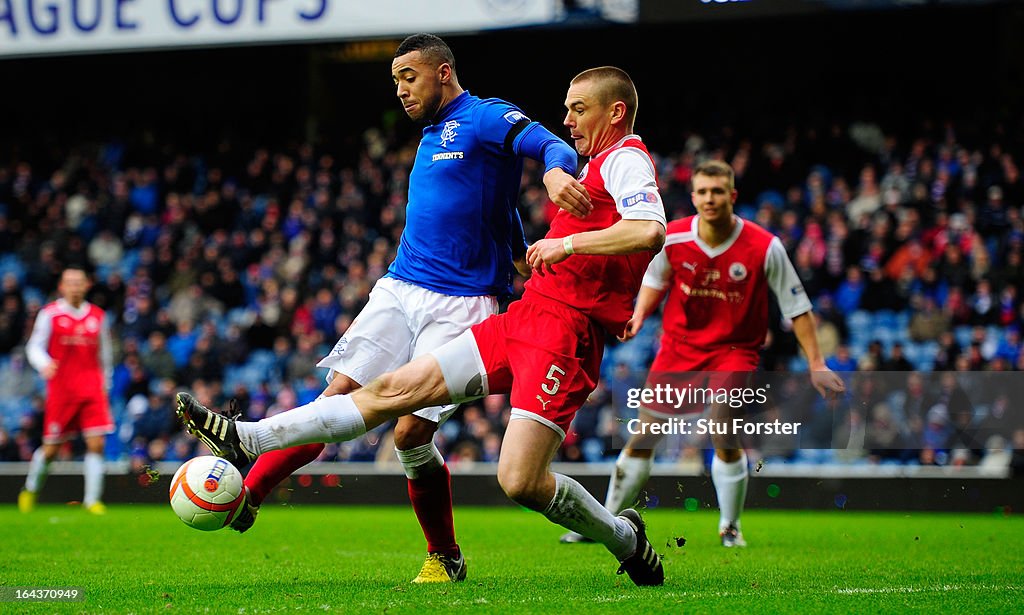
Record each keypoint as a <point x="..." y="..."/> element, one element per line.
<point x="613" y="84"/>
<point x="432" y="48"/>
<point x="716" y="168"/>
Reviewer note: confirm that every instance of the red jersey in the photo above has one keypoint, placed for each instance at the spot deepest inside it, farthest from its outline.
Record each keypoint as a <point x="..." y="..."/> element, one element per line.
<point x="719" y="296"/>
<point x="75" y="338"/>
<point x="604" y="287"/>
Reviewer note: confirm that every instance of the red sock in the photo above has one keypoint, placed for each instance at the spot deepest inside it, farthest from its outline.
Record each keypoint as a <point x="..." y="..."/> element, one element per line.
<point x="273" y="467"/>
<point x="431" y="498"/>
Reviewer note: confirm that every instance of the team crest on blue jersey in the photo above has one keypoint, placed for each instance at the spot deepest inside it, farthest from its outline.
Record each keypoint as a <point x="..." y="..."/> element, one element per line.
<point x="737" y="272"/>
<point x="639" y="197"/>
<point x="448" y="134"/>
<point x="514" y="117"/>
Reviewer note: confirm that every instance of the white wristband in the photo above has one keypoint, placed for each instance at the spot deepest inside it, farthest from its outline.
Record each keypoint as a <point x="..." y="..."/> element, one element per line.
<point x="567" y="245"/>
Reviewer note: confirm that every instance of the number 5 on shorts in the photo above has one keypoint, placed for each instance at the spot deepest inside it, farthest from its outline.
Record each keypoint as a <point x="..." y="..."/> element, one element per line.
<point x="551" y="390"/>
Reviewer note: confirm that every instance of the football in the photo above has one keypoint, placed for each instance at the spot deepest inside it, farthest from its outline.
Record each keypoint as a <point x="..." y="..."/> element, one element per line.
<point x="206" y="493"/>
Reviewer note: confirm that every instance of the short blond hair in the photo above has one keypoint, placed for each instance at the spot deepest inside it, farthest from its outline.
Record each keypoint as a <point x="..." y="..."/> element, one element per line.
<point x="613" y="84"/>
<point x="716" y="168"/>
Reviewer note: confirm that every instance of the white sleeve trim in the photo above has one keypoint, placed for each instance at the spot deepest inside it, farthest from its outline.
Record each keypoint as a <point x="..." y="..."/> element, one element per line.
<point x="36" y="348"/>
<point x="658" y="272"/>
<point x="629" y="178"/>
<point x="784" y="281"/>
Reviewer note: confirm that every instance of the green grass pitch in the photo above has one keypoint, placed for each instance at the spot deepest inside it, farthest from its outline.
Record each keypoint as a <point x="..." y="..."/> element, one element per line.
<point x="360" y="559"/>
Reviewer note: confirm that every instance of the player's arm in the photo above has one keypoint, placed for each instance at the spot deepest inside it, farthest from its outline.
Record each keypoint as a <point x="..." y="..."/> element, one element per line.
<point x="655" y="285"/>
<point x="35" y="349"/>
<point x="507" y="128"/>
<point x="623" y="237"/>
<point x="646" y="302"/>
<point x="534" y="141"/>
<point x="794" y="304"/>
<point x="106" y="352"/>
<point x="629" y="178"/>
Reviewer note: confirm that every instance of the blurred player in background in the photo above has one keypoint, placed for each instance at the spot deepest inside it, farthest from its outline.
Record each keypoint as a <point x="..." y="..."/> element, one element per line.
<point x="546" y="350"/>
<point x="456" y="255"/>
<point x="70" y="348"/>
<point x="716" y="269"/>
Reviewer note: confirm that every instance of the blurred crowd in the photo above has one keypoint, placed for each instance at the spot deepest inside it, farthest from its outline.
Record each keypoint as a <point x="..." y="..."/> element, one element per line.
<point x="230" y="272"/>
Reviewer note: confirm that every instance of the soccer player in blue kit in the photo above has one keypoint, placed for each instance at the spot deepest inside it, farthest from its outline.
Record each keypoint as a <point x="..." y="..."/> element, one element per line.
<point x="462" y="243"/>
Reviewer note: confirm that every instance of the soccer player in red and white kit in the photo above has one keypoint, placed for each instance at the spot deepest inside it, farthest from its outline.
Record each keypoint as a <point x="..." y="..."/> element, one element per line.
<point x="716" y="269"/>
<point x="545" y="350"/>
<point x="70" y="348"/>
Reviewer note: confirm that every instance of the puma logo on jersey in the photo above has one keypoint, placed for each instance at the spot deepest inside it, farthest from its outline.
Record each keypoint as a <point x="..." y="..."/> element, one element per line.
<point x="690" y="266"/>
<point x="543" y="404"/>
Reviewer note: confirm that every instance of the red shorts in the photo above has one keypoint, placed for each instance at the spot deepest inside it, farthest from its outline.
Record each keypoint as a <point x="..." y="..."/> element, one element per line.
<point x="547" y="355"/>
<point x="685" y="367"/>
<point x="67" y="413"/>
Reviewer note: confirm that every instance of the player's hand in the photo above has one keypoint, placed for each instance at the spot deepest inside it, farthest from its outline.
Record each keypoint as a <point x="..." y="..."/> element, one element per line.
<point x="567" y="193"/>
<point x="545" y="252"/>
<point x="522" y="267"/>
<point x="632" y="328"/>
<point x="828" y="384"/>
<point x="49" y="371"/>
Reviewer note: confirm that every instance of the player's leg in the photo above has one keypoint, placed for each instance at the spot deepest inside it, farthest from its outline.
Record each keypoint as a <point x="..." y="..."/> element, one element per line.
<point x="524" y="474"/>
<point x="57" y="414"/>
<point x="730" y="476"/>
<point x="377" y="342"/>
<point x="633" y="467"/>
<point x="436" y="319"/>
<point x="555" y="355"/>
<point x="270" y="469"/>
<point x="337" y="418"/>
<point x="275" y="466"/>
<point x="96" y="422"/>
<point x="38" y="469"/>
<point x="418" y="384"/>
<point x="430" y="492"/>
<point x="632" y="470"/>
<point x="94" y="474"/>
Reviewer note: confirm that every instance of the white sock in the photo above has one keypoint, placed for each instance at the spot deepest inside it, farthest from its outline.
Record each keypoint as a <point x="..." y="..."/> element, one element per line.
<point x="36" y="472"/>
<point x="575" y="509"/>
<point x="93" y="479"/>
<point x="730" y="480"/>
<point x="420" y="461"/>
<point x="628" y="478"/>
<point x="328" y="419"/>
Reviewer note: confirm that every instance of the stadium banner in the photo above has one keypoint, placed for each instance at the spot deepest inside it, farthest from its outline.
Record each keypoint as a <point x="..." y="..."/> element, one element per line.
<point x="39" y="27"/>
<point x="943" y="418"/>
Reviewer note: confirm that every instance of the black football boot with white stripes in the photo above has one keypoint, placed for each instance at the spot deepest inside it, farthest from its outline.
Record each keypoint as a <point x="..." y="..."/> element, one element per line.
<point x="644" y="566"/>
<point x="214" y="430"/>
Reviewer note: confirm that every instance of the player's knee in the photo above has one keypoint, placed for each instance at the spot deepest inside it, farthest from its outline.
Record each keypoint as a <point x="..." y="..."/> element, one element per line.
<point x="413" y="433"/>
<point x="522" y="488"/>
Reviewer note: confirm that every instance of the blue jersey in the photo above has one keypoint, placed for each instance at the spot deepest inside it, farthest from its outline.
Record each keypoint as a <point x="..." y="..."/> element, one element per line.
<point x="462" y="226"/>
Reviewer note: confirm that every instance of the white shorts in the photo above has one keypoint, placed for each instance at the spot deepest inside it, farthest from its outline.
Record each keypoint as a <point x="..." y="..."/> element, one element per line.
<point x="401" y="322"/>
